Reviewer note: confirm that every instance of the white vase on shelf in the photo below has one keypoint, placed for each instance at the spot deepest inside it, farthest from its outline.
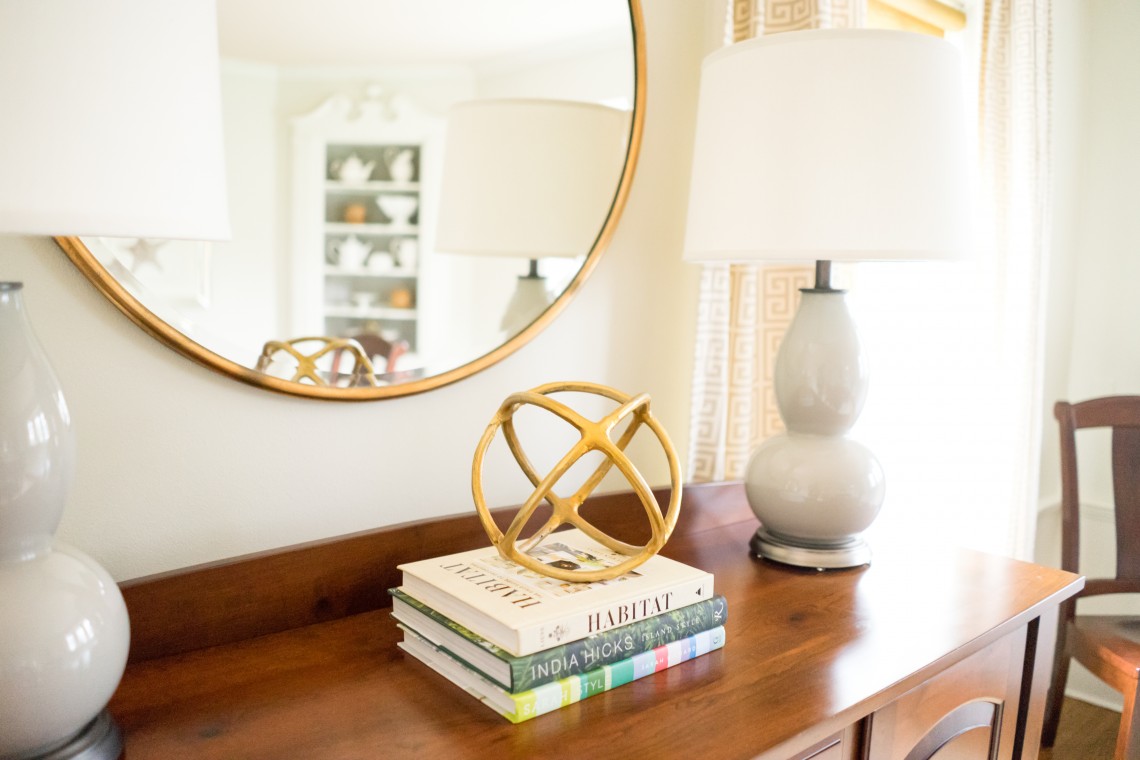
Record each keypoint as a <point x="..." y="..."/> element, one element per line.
<point x="404" y="251"/>
<point x="401" y="166"/>
<point x="64" y="633"/>
<point x="398" y="208"/>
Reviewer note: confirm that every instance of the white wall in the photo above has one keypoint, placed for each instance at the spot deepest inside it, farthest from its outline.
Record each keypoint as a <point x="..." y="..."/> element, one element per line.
<point x="1093" y="308"/>
<point x="178" y="465"/>
<point x="246" y="276"/>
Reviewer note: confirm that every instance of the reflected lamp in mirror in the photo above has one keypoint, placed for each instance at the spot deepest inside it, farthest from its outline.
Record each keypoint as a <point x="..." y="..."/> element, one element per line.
<point x="837" y="145"/>
<point x="112" y="126"/>
<point x="530" y="179"/>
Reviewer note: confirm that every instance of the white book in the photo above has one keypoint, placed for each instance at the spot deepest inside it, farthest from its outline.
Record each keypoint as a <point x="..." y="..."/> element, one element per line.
<point x="524" y="612"/>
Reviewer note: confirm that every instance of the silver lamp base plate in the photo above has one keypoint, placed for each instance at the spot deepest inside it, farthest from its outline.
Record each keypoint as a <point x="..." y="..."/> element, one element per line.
<point x="850" y="553"/>
<point x="99" y="740"/>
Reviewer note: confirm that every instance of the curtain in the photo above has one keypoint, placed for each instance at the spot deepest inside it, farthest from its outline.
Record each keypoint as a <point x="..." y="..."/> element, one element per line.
<point x="955" y="349"/>
<point x="744" y="310"/>
<point x="1015" y="146"/>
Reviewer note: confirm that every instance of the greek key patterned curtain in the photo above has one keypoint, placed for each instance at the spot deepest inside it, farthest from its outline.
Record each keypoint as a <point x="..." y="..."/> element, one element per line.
<point x="744" y="310"/>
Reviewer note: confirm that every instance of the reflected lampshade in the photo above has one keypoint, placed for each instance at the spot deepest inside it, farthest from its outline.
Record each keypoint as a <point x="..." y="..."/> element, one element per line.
<point x="529" y="178"/>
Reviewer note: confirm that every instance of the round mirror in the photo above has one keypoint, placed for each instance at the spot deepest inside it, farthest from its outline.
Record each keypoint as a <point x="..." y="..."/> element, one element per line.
<point x="415" y="190"/>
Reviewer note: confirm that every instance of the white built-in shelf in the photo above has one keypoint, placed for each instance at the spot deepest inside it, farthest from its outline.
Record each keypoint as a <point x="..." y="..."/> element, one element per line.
<point x="376" y="185"/>
<point x="393" y="273"/>
<point x="347" y="228"/>
<point x="398" y="144"/>
<point x="348" y="311"/>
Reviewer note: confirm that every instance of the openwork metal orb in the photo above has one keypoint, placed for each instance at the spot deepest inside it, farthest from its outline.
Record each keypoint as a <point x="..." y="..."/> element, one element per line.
<point x="595" y="436"/>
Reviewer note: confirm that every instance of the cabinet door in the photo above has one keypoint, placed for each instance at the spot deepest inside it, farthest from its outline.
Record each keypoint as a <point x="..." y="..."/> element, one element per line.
<point x="967" y="712"/>
<point x="842" y="746"/>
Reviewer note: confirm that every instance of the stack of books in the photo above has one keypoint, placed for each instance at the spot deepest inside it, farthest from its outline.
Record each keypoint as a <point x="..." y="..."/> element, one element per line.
<point x="526" y="644"/>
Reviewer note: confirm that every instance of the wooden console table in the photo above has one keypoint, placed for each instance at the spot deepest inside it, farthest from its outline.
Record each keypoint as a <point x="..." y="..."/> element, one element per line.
<point x="292" y="654"/>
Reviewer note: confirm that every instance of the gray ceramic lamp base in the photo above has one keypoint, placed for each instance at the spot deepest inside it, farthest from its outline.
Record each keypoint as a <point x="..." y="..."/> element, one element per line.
<point x="813" y="487"/>
<point x="99" y="740"/>
<point x="851" y="553"/>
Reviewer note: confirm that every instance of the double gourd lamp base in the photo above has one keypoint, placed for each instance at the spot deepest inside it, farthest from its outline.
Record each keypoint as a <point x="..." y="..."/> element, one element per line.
<point x="814" y="488"/>
<point x="64" y="631"/>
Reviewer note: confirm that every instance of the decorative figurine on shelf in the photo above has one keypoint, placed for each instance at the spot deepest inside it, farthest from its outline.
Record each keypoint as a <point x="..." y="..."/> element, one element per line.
<point x="352" y="252"/>
<point x="404" y="251"/>
<point x="363" y="300"/>
<point x="400" y="298"/>
<point x="595" y="436"/>
<point x="352" y="169"/>
<point x="355" y="213"/>
<point x="401" y="167"/>
<point x="379" y="261"/>
<point x="399" y="209"/>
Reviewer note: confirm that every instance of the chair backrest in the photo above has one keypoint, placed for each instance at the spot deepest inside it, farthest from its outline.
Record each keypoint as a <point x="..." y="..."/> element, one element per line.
<point x="375" y="346"/>
<point x="306" y="352"/>
<point x="1122" y="415"/>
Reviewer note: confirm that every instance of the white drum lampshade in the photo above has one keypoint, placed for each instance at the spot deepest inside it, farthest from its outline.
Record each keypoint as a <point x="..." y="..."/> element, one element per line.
<point x="835" y="145"/>
<point x="112" y="120"/>
<point x="531" y="179"/>
<point x="112" y="126"/>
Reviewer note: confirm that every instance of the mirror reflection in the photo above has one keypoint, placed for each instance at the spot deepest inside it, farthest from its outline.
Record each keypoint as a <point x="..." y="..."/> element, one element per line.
<point x="422" y="179"/>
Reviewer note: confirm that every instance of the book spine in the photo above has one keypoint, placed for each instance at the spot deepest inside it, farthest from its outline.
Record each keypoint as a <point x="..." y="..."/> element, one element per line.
<point x="616" y="644"/>
<point x="558" y="694"/>
<point x="545" y="635"/>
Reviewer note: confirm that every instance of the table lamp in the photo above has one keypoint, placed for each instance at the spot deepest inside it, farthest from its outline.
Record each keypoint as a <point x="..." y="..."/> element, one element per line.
<point x="833" y="145"/>
<point x="112" y="126"/>
<point x="532" y="179"/>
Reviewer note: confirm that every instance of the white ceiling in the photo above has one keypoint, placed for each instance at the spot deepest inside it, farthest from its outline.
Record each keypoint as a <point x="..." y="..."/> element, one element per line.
<point x="378" y="32"/>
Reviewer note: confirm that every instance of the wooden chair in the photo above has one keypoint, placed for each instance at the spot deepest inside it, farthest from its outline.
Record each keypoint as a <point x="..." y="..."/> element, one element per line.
<point x="306" y="352"/>
<point x="374" y="346"/>
<point x="1108" y="645"/>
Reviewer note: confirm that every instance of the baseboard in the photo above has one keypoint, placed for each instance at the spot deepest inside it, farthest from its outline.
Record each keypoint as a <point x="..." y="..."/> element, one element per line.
<point x="1098" y="513"/>
<point x="1095" y="512"/>
<point x="1094" y="700"/>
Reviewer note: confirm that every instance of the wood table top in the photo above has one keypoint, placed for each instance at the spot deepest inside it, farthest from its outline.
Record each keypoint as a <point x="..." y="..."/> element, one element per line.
<point x="807" y="653"/>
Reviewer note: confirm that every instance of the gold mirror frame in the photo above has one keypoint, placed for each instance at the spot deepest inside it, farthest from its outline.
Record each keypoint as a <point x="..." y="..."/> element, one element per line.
<point x="158" y="328"/>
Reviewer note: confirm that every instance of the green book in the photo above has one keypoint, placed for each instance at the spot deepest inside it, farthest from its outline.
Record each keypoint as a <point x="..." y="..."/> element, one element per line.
<point x="517" y="674"/>
<point x="551" y="696"/>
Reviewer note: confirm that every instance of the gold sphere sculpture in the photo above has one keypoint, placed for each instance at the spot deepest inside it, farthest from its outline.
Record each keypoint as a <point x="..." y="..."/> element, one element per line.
<point x="595" y="436"/>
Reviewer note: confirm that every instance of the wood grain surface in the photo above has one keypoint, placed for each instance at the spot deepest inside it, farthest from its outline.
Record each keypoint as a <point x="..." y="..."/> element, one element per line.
<point x="808" y="654"/>
<point x="273" y="591"/>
